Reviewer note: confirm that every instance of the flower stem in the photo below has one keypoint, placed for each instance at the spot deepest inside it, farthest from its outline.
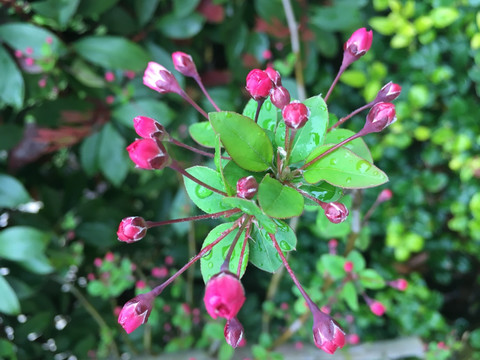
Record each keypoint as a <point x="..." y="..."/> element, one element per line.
<point x="175" y="166"/>
<point x="342" y="120"/>
<point x="340" y="72"/>
<point x="195" y="150"/>
<point x="188" y="99"/>
<point x="226" y="213"/>
<point x="242" y="253"/>
<point x="259" y="106"/>
<point x="200" y="84"/>
<point x="226" y="264"/>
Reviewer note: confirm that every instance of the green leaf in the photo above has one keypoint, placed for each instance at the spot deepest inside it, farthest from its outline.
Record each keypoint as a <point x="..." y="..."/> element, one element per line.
<point x="233" y="173"/>
<point x="249" y="207"/>
<point x="203" y="134"/>
<point x="145" y="9"/>
<point x="175" y="27"/>
<point x="9" y="303"/>
<point x="84" y="74"/>
<point x="210" y="263"/>
<point x="59" y="10"/>
<point x="90" y="8"/>
<point x="10" y="136"/>
<point x="323" y="192"/>
<point x="357" y="146"/>
<point x="89" y="153"/>
<point x="184" y="7"/>
<point x="349" y="294"/>
<point x="245" y="141"/>
<point x="205" y="199"/>
<point x="262" y="252"/>
<point x="267" y="118"/>
<point x="354" y="78"/>
<point x="112" y="52"/>
<point x="343" y="168"/>
<point x="12" y="87"/>
<point x="149" y="107"/>
<point x="370" y="279"/>
<point x="333" y="265"/>
<point x="444" y="16"/>
<point x="383" y="25"/>
<point x="311" y="135"/>
<point x="12" y="192"/>
<point x="357" y="259"/>
<point x="112" y="158"/>
<point x="278" y="200"/>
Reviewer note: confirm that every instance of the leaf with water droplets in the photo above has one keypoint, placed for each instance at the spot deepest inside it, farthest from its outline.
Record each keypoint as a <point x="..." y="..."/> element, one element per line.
<point x="278" y="200"/>
<point x="205" y="199"/>
<point x="211" y="262"/>
<point x="357" y="146"/>
<point x="262" y="252"/>
<point x="202" y="133"/>
<point x="267" y="118"/>
<point x="343" y="168"/>
<point x="250" y="207"/>
<point x="311" y="135"/>
<point x="322" y="191"/>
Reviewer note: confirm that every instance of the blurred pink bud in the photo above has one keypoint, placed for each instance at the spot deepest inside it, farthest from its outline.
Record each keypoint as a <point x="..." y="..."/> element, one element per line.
<point x="298" y="345"/>
<point x="184" y="64"/>
<point x="295" y="115"/>
<point x="109" y="256"/>
<point x="132" y="229"/>
<point x="186" y="308"/>
<point x="91" y="276"/>
<point x="129" y="74"/>
<point x="110" y="99"/>
<point x="380" y="116"/>
<point x="377" y="307"/>
<point x="442" y="345"/>
<point x="29" y="61"/>
<point x="280" y="97"/>
<point x="259" y="84"/>
<point x="284" y="306"/>
<point x="42" y="82"/>
<point x="333" y="243"/>
<point x="385" y="195"/>
<point x="247" y="187"/>
<point x="29" y="51"/>
<point x="49" y="40"/>
<point x="348" y="266"/>
<point x="224" y="296"/>
<point x="353" y="339"/>
<point x="274" y="75"/>
<point x="148" y="154"/>
<point x="97" y="262"/>
<point x="169" y="260"/>
<point x="327" y="334"/>
<point x="359" y="43"/>
<point x="233" y="332"/>
<point x="136" y="312"/>
<point x="149" y="128"/>
<point x="140" y="284"/>
<point x="399" y="284"/>
<point x="109" y="76"/>
<point x="18" y="54"/>
<point x="157" y="78"/>
<point x="389" y="92"/>
<point x="159" y="272"/>
<point x="267" y="54"/>
<point x="117" y="310"/>
<point x="336" y="212"/>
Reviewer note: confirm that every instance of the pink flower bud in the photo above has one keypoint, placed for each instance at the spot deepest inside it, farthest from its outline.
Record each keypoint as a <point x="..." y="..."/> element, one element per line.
<point x="280" y="97"/>
<point x="399" y="284"/>
<point x="140" y="284"/>
<point x="336" y="212"/>
<point x="389" y="92"/>
<point x="157" y="78"/>
<point x="109" y="256"/>
<point x="377" y="307"/>
<point x="110" y="99"/>
<point x="380" y="116"/>
<point x="148" y="154"/>
<point x="29" y="51"/>
<point x="160" y="272"/>
<point x="132" y="229"/>
<point x="233" y="332"/>
<point x="385" y="195"/>
<point x="247" y="187"/>
<point x="348" y="266"/>
<point x="129" y="74"/>
<point x="327" y="334"/>
<point x="184" y="64"/>
<point x="359" y="43"/>
<point x="97" y="262"/>
<point x="109" y="76"/>
<point x="224" y="296"/>
<point x="135" y="312"/>
<point x="295" y="115"/>
<point x="274" y="75"/>
<point x="42" y="82"/>
<point x="149" y="128"/>
<point x="49" y="40"/>
<point x="29" y="61"/>
<point x="18" y="54"/>
<point x="259" y="84"/>
<point x="353" y="339"/>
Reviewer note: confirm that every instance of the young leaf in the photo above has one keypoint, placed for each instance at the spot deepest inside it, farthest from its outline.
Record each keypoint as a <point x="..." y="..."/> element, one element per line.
<point x="370" y="279"/>
<point x="12" y="192"/>
<point x="202" y="133"/>
<point x="278" y="200"/>
<point x="267" y="118"/>
<point x="9" y="303"/>
<point x="343" y="168"/>
<point x="250" y="208"/>
<point x="12" y="86"/>
<point x="357" y="146"/>
<point x="333" y="264"/>
<point x="245" y="141"/>
<point x="349" y="294"/>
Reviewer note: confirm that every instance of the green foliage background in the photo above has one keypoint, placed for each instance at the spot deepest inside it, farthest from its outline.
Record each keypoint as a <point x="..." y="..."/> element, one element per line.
<point x="62" y="146"/>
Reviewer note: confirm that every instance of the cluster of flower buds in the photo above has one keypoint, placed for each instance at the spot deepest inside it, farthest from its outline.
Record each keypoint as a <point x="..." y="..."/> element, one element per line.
<point x="264" y="83"/>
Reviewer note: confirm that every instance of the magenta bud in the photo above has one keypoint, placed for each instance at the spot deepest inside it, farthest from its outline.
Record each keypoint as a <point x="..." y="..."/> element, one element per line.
<point x="295" y="115"/>
<point x="259" y="84"/>
<point x="376" y="307"/>
<point x="389" y="92"/>
<point x="233" y="332"/>
<point x="280" y="97"/>
<point x="327" y="334"/>
<point x="274" y="75"/>
<point x="157" y="78"/>
<point x="399" y="284"/>
<point x="385" y="195"/>
<point x="247" y="187"/>
<point x="224" y="295"/>
<point x="348" y="266"/>
<point x="359" y="43"/>
<point x="380" y="116"/>
<point x="149" y="128"/>
<point x="336" y="212"/>
<point x="135" y="312"/>
<point x="184" y="64"/>
<point x="148" y="154"/>
<point x="353" y="339"/>
<point x="132" y="229"/>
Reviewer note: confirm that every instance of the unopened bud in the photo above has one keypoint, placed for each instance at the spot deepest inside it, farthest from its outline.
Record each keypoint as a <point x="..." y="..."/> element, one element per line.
<point x="233" y="332"/>
<point x="280" y="97"/>
<point x="327" y="334"/>
<point x="377" y="307"/>
<point x="359" y="43"/>
<point x="348" y="266"/>
<point x="295" y="115"/>
<point x="247" y="187"/>
<point x="380" y="116"/>
<point x="385" y="195"/>
<point x="132" y="229"/>
<point x="157" y="78"/>
<point x="336" y="212"/>
<point x="259" y="84"/>
<point x="136" y="312"/>
<point x="399" y="284"/>
<point x="274" y="75"/>
<point x="224" y="296"/>
<point x="184" y="64"/>
<point x="148" y="154"/>
<point x="389" y="92"/>
<point x="149" y="128"/>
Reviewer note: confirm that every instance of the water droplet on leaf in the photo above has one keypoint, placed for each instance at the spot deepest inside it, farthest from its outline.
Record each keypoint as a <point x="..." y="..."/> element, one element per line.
<point x="285" y="246"/>
<point x="363" y="166"/>
<point x="202" y="192"/>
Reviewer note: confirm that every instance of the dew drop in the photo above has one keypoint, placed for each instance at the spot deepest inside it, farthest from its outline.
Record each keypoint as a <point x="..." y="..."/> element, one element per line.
<point x="268" y="105"/>
<point x="348" y="180"/>
<point x="333" y="161"/>
<point x="210" y="265"/>
<point x="228" y="115"/>
<point x="202" y="192"/>
<point x="285" y="246"/>
<point x="363" y="166"/>
<point x="208" y="255"/>
<point x="375" y="173"/>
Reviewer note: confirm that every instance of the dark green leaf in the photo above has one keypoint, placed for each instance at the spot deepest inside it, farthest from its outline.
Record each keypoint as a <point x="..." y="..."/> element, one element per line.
<point x="113" y="159"/>
<point x="152" y="108"/>
<point x="89" y="153"/>
<point x="84" y="73"/>
<point x="186" y="27"/>
<point x="245" y="141"/>
<point x="357" y="146"/>
<point x="9" y="303"/>
<point x="278" y="200"/>
<point x="183" y="8"/>
<point x="250" y="207"/>
<point x="12" y="87"/>
<point x="145" y="9"/>
<point x="349" y="294"/>
<point x="94" y="7"/>
<point x="98" y="234"/>
<point x="10" y="135"/>
<point x="12" y="192"/>
<point x="322" y="191"/>
<point x="203" y="134"/>
<point x="59" y="10"/>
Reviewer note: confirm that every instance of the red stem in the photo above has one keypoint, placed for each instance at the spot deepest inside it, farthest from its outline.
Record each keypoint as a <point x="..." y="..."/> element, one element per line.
<point x="340" y="72"/>
<point x="195" y="150"/>
<point x="200" y="84"/>
<point x="242" y="254"/>
<point x="226" y="264"/>
<point x="187" y="98"/>
<point x="175" y="166"/>
<point x="226" y="213"/>
<point x="342" y="120"/>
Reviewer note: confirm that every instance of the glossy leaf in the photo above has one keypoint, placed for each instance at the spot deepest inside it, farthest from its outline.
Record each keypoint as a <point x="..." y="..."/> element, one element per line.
<point x="250" y="207"/>
<point x="205" y="199"/>
<point x="203" y="133"/>
<point x="311" y="135"/>
<point x="9" y="303"/>
<point x="278" y="200"/>
<point x="145" y="9"/>
<point x="370" y="279"/>
<point x="12" y="192"/>
<point x="233" y="173"/>
<point x="343" y="168"/>
<point x="322" y="191"/>
<point x="12" y="86"/>
<point x="211" y="262"/>
<point x="357" y="146"/>
<point x="179" y="28"/>
<point x="349" y="294"/>
<point x="267" y="118"/>
<point x="151" y="108"/>
<point x="245" y="141"/>
<point x="112" y="159"/>
<point x="262" y="252"/>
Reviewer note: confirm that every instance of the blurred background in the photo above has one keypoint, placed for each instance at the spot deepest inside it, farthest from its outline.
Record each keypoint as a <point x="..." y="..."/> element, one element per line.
<point x="71" y="83"/>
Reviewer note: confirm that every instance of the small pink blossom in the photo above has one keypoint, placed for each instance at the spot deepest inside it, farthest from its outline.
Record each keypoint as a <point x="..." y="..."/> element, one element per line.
<point x="267" y="54"/>
<point x="97" y="262"/>
<point x="284" y="306"/>
<point x="327" y="334"/>
<point x="49" y="40"/>
<point x="348" y="266"/>
<point x="377" y="307"/>
<point x="109" y="256"/>
<point x="160" y="272"/>
<point x="353" y="339"/>
<point x="298" y="345"/>
<point x="132" y="229"/>
<point x="140" y="284"/>
<point x="109" y="76"/>
<point x="169" y="260"/>
<point x="29" y="51"/>
<point x="110" y="99"/>
<point x="224" y="296"/>
<point x="130" y="74"/>
<point x="295" y="115"/>
<point x="29" y="61"/>
<point x="91" y="276"/>
<point x="259" y="84"/>
<point x="148" y="154"/>
<point x="42" y="82"/>
<point x="18" y="54"/>
<point x="136" y="312"/>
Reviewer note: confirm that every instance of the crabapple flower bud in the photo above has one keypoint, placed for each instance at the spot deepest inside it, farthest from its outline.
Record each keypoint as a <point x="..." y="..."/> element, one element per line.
<point x="224" y="295"/>
<point x="233" y="332"/>
<point x="259" y="84"/>
<point x="348" y="266"/>
<point x="157" y="78"/>
<point x="353" y="339"/>
<point x="336" y="212"/>
<point x="295" y="115"/>
<point x="132" y="229"/>
<point x="247" y="187"/>
<point x="385" y="195"/>
<point x="184" y="64"/>
<point x="280" y="97"/>
<point x="389" y="92"/>
<point x="359" y="43"/>
<point x="148" y="154"/>
<point x="327" y="334"/>
<point x="377" y="307"/>
<point x="380" y="116"/>
<point x="399" y="284"/>
<point x="274" y="75"/>
<point x="135" y="312"/>
<point x="149" y="128"/>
